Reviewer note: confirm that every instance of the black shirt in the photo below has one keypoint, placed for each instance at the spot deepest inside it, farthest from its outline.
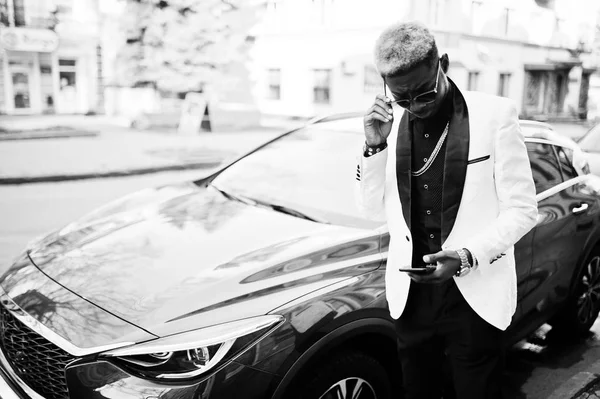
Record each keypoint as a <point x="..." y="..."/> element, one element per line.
<point x="427" y="189"/>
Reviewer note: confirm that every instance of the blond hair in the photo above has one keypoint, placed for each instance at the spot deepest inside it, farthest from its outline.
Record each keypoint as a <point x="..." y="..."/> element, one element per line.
<point x="404" y="46"/>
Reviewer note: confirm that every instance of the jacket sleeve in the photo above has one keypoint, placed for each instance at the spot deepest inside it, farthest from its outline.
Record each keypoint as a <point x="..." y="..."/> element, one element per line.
<point x="515" y="190"/>
<point x="370" y="185"/>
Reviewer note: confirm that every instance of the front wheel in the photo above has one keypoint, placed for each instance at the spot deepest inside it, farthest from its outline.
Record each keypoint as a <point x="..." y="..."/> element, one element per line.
<point x="583" y="306"/>
<point x="347" y="375"/>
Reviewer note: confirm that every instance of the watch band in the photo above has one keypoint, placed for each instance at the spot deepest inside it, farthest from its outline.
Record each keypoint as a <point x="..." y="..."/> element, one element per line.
<point x="465" y="266"/>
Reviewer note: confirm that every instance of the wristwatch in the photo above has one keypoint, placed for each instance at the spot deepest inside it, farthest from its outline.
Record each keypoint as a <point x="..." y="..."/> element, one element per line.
<point x="465" y="266"/>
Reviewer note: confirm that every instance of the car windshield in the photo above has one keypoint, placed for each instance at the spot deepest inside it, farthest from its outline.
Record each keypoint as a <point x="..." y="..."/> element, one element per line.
<point x="310" y="172"/>
<point x="591" y="140"/>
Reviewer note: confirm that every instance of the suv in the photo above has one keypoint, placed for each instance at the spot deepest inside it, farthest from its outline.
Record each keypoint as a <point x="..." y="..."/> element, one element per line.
<point x="259" y="281"/>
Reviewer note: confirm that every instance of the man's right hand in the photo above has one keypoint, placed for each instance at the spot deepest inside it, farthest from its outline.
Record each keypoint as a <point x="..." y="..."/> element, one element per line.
<point x="378" y="121"/>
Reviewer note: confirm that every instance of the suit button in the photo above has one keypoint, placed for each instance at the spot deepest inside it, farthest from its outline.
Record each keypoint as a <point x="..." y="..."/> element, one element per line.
<point x="426" y="136"/>
<point x="428" y="212"/>
<point x="426" y="187"/>
<point x="431" y="236"/>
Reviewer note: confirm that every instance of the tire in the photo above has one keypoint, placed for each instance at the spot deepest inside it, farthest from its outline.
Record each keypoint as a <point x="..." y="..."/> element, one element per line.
<point x="582" y="308"/>
<point x="350" y="372"/>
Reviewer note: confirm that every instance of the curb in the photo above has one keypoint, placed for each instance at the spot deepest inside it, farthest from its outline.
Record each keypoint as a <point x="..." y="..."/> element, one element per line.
<point x="57" y="134"/>
<point x="5" y="181"/>
<point x="577" y="384"/>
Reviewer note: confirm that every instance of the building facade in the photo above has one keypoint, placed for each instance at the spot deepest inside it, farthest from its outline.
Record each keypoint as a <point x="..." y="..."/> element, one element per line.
<point x="315" y="57"/>
<point x="50" y="58"/>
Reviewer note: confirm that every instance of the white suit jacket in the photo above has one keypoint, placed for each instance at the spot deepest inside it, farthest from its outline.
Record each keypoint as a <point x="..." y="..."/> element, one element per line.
<point x="497" y="206"/>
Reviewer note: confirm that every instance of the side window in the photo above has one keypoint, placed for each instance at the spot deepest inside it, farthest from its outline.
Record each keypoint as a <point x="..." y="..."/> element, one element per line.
<point x="544" y="166"/>
<point x="565" y="155"/>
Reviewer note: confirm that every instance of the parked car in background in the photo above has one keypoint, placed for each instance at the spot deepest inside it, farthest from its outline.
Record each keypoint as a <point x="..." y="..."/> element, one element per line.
<point x="579" y="159"/>
<point x="590" y="144"/>
<point x="261" y="280"/>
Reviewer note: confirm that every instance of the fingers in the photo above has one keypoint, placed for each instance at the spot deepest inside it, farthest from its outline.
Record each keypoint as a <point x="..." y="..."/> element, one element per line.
<point x="379" y="113"/>
<point x="381" y="108"/>
<point x="382" y="105"/>
<point x="434" y="258"/>
<point x="382" y="98"/>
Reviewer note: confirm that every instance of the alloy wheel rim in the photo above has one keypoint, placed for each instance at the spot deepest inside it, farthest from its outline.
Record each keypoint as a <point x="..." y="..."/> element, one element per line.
<point x="589" y="300"/>
<point x="350" y="388"/>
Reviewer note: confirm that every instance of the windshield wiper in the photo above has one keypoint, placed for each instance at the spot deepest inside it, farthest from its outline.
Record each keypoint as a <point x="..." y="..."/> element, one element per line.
<point x="233" y="197"/>
<point x="275" y="207"/>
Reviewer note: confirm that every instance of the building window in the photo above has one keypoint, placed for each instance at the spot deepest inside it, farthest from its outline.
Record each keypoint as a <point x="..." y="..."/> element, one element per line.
<point x="503" y="84"/>
<point x="64" y="7"/>
<point x="67" y="74"/>
<point x="473" y="82"/>
<point x="322" y="86"/>
<point x="68" y="63"/>
<point x="4" y="12"/>
<point x="274" y="82"/>
<point x="322" y="11"/>
<point x="19" y="12"/>
<point x="436" y="11"/>
<point x="373" y="80"/>
<point x="21" y="90"/>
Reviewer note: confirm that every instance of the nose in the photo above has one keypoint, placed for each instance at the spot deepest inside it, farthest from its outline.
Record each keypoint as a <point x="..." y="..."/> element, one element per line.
<point x="416" y="108"/>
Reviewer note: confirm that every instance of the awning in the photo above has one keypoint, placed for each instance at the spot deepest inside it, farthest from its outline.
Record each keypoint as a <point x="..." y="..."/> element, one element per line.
<point x="554" y="64"/>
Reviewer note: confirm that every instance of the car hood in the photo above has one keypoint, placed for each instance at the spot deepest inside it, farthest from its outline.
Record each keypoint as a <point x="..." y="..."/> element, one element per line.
<point x="181" y="257"/>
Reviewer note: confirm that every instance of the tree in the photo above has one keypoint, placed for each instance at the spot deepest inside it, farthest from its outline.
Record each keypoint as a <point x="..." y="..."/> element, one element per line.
<point x="183" y="45"/>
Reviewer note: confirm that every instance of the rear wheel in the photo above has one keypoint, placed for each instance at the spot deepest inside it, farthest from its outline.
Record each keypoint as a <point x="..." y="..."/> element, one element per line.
<point x="583" y="307"/>
<point x="347" y="375"/>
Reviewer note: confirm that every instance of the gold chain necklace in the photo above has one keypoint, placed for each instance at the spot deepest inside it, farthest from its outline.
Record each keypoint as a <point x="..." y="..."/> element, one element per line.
<point x="434" y="154"/>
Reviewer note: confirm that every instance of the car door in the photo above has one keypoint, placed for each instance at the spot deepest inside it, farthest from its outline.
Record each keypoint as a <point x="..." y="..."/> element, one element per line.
<point x="583" y="210"/>
<point x="560" y="233"/>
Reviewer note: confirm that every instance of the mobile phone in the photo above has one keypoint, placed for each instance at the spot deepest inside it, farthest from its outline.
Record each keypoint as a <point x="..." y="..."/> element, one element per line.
<point x="418" y="270"/>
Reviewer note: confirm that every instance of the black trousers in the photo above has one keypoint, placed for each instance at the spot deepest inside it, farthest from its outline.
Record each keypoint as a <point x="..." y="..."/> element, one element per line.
<point x="439" y="327"/>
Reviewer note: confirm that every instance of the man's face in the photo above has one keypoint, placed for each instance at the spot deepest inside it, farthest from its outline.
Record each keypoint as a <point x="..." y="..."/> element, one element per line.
<point x="421" y="79"/>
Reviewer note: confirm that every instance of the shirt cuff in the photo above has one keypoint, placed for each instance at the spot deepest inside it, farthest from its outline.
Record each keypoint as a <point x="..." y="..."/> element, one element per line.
<point x="368" y="150"/>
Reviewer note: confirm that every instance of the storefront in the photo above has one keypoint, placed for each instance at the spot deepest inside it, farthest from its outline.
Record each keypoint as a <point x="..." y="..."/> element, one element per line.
<point x="40" y="73"/>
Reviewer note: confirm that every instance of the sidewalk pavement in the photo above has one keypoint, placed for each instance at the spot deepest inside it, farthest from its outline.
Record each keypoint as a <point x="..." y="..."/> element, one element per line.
<point x="584" y="385"/>
<point x="115" y="151"/>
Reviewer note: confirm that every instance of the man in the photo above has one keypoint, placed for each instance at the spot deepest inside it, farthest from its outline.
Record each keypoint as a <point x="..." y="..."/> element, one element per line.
<point x="451" y="177"/>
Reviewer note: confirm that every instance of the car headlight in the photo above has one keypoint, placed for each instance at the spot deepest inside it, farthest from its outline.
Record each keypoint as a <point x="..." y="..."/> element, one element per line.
<point x="190" y="354"/>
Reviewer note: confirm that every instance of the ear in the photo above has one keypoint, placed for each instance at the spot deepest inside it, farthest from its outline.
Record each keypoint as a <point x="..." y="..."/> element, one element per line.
<point x="445" y="62"/>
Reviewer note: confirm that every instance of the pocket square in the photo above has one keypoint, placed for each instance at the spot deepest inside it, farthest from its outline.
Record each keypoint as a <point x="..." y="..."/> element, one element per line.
<point x="480" y="159"/>
<point x="495" y="258"/>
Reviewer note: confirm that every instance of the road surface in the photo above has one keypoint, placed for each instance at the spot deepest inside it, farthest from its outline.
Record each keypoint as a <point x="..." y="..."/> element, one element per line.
<point x="28" y="211"/>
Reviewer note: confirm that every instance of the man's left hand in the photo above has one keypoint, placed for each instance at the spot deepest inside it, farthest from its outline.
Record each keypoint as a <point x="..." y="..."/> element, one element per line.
<point x="447" y="262"/>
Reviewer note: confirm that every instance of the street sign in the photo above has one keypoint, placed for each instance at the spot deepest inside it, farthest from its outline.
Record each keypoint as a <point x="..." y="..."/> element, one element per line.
<point x="28" y="39"/>
<point x="192" y="113"/>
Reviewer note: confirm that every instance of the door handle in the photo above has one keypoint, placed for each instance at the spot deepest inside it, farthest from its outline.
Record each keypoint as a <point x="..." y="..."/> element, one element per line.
<point x="580" y="209"/>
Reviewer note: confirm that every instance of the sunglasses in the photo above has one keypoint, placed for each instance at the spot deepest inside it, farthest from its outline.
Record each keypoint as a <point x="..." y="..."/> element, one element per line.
<point x="422" y="99"/>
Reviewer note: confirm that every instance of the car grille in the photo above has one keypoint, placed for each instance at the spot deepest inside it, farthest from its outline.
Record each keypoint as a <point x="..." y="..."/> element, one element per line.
<point x="38" y="362"/>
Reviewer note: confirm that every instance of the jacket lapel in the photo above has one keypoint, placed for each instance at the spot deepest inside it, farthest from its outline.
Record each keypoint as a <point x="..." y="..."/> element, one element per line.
<point x="455" y="165"/>
<point x="403" y="168"/>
